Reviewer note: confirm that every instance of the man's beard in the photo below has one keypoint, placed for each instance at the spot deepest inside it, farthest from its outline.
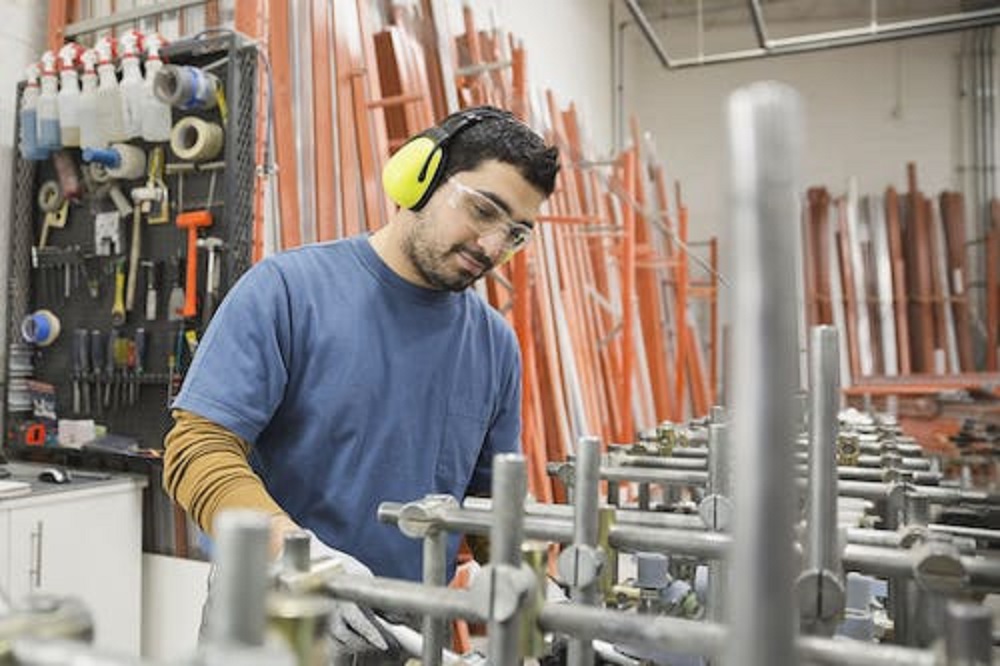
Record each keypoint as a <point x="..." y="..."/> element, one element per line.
<point x="431" y="261"/>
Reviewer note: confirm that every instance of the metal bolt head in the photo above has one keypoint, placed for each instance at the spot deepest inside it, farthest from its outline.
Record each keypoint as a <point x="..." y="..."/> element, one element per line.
<point x="422" y="517"/>
<point x="579" y="565"/>
<point x="937" y="567"/>
<point x="500" y="590"/>
<point x="820" y="594"/>
<point x="716" y="512"/>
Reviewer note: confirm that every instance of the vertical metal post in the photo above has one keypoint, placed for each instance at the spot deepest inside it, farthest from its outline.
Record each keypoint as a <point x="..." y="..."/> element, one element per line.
<point x="585" y="523"/>
<point x="901" y="589"/>
<point x="580" y="652"/>
<point x="968" y="636"/>
<point x="820" y="587"/>
<point x="765" y="137"/>
<point x="719" y="480"/>
<point x="237" y="612"/>
<point x="510" y="484"/>
<point x="719" y="470"/>
<point x="434" y="629"/>
<point x="822" y="547"/>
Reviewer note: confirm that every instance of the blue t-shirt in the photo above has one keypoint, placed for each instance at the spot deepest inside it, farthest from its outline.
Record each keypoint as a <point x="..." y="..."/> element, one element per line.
<point x="354" y="387"/>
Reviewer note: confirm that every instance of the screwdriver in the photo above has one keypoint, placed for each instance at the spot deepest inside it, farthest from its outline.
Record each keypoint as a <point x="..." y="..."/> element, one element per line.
<point x="118" y="307"/>
<point x="79" y="351"/>
<point x="109" y="366"/>
<point x="140" y="354"/>
<point x="122" y="346"/>
<point x="154" y="271"/>
<point x="83" y="348"/>
<point x="97" y="344"/>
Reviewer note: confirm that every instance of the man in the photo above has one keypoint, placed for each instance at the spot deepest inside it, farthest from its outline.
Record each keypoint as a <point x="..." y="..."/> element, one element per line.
<point x="340" y="375"/>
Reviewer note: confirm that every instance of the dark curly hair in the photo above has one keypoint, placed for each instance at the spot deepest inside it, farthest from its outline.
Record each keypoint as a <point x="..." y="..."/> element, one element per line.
<point x="501" y="136"/>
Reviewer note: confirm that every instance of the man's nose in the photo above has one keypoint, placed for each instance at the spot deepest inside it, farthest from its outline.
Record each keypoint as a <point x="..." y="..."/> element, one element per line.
<point x="493" y="244"/>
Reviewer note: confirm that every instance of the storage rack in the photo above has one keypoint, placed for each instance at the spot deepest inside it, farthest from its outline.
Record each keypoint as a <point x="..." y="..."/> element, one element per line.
<point x="234" y="61"/>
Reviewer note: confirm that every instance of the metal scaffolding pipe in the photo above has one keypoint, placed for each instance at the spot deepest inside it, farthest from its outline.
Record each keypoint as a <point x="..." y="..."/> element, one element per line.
<point x="968" y="633"/>
<point x="587" y="491"/>
<point x="720" y="484"/>
<point x="659" y="462"/>
<point x="935" y="494"/>
<point x="820" y="586"/>
<point x="506" y="536"/>
<point x="720" y="479"/>
<point x="887" y="559"/>
<point x="633" y="629"/>
<point x="406" y="597"/>
<point x="830" y="652"/>
<point x="907" y="462"/>
<point x="237" y="606"/>
<point x="435" y="630"/>
<point x="709" y="639"/>
<point x="765" y="138"/>
<point x="707" y="545"/>
<point x="585" y="534"/>
<point x="663" y="477"/>
<point x="889" y="562"/>
<point x="468" y="521"/>
<point x="822" y="550"/>
<point x="535" y="511"/>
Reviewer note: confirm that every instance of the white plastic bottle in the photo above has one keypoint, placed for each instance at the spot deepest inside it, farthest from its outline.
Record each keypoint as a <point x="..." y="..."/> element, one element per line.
<point x="156" y="118"/>
<point x="48" y="105"/>
<point x="69" y="95"/>
<point x="131" y="86"/>
<point x="91" y="132"/>
<point x="109" y="97"/>
<point x="28" y="116"/>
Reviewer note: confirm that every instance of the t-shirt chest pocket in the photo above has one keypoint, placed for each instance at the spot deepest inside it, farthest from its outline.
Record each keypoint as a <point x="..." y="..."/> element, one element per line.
<point x="467" y="419"/>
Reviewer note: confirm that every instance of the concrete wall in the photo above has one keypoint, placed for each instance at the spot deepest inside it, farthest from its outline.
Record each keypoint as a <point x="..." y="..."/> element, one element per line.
<point x="869" y="110"/>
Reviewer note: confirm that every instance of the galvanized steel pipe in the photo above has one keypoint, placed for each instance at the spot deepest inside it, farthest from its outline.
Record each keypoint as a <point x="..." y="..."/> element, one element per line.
<point x="765" y="138"/>
<point x="506" y="536"/>
<point x="585" y="534"/>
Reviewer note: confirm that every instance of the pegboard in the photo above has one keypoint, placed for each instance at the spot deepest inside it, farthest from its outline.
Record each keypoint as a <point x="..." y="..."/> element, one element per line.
<point x="76" y="282"/>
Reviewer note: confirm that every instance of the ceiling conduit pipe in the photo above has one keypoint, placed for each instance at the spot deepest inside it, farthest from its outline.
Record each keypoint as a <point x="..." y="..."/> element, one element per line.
<point x="873" y="32"/>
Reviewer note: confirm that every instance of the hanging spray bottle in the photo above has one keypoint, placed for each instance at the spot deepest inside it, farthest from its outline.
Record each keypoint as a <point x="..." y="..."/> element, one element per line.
<point x="156" y="118"/>
<point x="109" y="98"/>
<point x="48" y="105"/>
<point x="130" y="45"/>
<point x="69" y="94"/>
<point x="91" y="135"/>
<point x="28" y="118"/>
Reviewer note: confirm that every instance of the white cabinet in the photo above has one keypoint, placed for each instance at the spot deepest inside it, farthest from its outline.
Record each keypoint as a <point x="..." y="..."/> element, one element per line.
<point x="82" y="540"/>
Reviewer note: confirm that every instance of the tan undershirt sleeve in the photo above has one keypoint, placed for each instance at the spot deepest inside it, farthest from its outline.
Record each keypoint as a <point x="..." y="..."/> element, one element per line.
<point x="205" y="469"/>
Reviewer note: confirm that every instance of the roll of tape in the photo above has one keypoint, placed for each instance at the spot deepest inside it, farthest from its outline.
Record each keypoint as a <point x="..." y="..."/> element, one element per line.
<point x="50" y="197"/>
<point x="186" y="87"/>
<point x="40" y="328"/>
<point x="195" y="140"/>
<point x="131" y="162"/>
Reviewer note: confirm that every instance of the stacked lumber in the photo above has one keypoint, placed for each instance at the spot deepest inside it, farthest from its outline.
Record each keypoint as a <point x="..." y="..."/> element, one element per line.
<point x="603" y="302"/>
<point x="890" y="272"/>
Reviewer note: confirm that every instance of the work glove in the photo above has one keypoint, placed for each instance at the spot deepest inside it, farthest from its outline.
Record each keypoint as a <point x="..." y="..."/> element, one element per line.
<point x="352" y="628"/>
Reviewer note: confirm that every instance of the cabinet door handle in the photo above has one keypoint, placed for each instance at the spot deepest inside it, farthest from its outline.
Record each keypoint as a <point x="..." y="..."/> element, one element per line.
<point x="35" y="573"/>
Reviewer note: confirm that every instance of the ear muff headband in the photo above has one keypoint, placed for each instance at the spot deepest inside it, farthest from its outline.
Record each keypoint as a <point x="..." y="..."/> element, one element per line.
<point x="413" y="173"/>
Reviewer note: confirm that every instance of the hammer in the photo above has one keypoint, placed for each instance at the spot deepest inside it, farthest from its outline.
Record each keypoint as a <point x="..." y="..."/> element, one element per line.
<point x="213" y="246"/>
<point x="192" y="221"/>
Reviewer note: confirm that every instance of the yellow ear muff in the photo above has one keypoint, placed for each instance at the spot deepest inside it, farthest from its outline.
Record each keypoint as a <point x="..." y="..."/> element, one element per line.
<point x="409" y="174"/>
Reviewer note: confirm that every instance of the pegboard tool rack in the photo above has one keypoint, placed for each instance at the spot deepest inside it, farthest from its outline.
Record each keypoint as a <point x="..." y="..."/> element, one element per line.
<point x="234" y="60"/>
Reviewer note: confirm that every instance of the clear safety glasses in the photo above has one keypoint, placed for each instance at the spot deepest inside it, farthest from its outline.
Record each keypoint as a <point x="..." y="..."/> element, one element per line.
<point x="486" y="218"/>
